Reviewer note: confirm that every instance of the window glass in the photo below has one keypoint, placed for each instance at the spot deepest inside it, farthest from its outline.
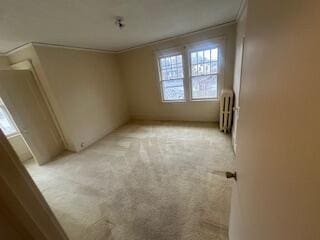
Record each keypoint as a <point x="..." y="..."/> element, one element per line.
<point x="172" y="78"/>
<point x="202" y="76"/>
<point x="6" y="124"/>
<point x="173" y="90"/>
<point x="204" y="86"/>
<point x="204" y="73"/>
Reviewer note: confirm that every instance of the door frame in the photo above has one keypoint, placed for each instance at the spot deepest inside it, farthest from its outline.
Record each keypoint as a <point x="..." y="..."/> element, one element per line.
<point x="27" y="65"/>
<point x="23" y="200"/>
<point x="236" y="109"/>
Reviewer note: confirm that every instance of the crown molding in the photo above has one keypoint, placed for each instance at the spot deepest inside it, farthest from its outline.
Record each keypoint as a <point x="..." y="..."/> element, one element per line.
<point x="72" y="47"/>
<point x="31" y="44"/>
<point x="178" y="36"/>
<point x="243" y="6"/>
<point x="19" y="48"/>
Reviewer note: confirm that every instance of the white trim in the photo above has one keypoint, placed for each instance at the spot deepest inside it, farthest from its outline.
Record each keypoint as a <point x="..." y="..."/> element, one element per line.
<point x="30" y="44"/>
<point x="72" y="47"/>
<point x="27" y="65"/>
<point x="185" y="50"/>
<point x="24" y="65"/>
<point x="19" y="48"/>
<point x="243" y="6"/>
<point x="168" y="53"/>
<point x="219" y="43"/>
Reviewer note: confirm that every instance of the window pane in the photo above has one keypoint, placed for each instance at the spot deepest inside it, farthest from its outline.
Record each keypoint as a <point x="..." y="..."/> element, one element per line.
<point x="194" y="70"/>
<point x="173" y="90"/>
<point x="172" y="78"/>
<point x="200" y="69"/>
<point x="200" y="57"/>
<point x="179" y="59"/>
<point x="214" y="67"/>
<point x="214" y="54"/>
<point x="164" y="74"/>
<point x="168" y="62"/>
<point x="204" y="62"/>
<point x="173" y="61"/>
<point x="194" y="58"/>
<point x="206" y="68"/>
<point x="180" y="73"/>
<point x="207" y="55"/>
<point x="173" y="68"/>
<point x="162" y="63"/>
<point x="204" y="87"/>
<point x="5" y="123"/>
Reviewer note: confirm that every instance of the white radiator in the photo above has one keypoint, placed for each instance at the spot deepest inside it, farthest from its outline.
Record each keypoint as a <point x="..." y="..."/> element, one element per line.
<point x="226" y="104"/>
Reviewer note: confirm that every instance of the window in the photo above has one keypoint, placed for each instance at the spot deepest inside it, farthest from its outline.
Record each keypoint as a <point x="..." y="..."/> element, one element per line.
<point x="204" y="73"/>
<point x="172" y="78"/>
<point x="6" y="123"/>
<point x="192" y="72"/>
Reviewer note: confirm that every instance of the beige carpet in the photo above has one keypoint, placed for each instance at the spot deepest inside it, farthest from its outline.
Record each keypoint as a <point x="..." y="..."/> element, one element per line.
<point x="145" y="181"/>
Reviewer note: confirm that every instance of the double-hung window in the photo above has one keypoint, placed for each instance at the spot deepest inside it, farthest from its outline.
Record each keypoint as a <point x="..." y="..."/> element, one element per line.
<point x="6" y="123"/>
<point x="172" y="78"/>
<point x="204" y="73"/>
<point x="191" y="74"/>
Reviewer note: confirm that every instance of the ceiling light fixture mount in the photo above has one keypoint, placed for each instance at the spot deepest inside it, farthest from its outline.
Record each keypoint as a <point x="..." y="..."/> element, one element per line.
<point x="119" y="22"/>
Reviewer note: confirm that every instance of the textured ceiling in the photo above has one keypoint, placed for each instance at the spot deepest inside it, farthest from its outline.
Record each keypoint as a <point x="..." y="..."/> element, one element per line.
<point x="90" y="23"/>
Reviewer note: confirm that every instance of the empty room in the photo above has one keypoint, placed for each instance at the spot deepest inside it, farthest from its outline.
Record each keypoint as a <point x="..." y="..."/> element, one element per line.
<point x="159" y="120"/>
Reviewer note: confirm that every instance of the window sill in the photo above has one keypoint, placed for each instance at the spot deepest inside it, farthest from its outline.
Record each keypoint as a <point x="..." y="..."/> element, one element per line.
<point x="182" y="101"/>
<point x="193" y="100"/>
<point x="206" y="100"/>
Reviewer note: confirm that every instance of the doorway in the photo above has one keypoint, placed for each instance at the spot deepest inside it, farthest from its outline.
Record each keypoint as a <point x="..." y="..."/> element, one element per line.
<point x="28" y="116"/>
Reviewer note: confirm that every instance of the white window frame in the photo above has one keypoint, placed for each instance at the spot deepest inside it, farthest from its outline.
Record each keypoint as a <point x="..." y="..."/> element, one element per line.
<point x="4" y="108"/>
<point x="202" y="48"/>
<point x="185" y="51"/>
<point x="169" y="53"/>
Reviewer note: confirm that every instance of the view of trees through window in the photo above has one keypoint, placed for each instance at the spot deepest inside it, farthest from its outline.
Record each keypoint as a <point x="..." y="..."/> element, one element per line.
<point x="172" y="78"/>
<point x="204" y="70"/>
<point x="203" y="73"/>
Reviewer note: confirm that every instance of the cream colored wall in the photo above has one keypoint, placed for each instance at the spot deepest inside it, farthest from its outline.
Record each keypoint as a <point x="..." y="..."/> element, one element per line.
<point x="4" y="62"/>
<point x="20" y="147"/>
<point x="84" y="90"/>
<point x="278" y="132"/>
<point x="89" y="98"/>
<point x="139" y="73"/>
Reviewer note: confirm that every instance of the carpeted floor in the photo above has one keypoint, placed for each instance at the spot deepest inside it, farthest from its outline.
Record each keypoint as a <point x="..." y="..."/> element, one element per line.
<point x="145" y="181"/>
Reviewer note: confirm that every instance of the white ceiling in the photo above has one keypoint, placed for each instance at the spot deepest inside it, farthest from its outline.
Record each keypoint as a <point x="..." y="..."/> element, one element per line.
<point x="90" y="23"/>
